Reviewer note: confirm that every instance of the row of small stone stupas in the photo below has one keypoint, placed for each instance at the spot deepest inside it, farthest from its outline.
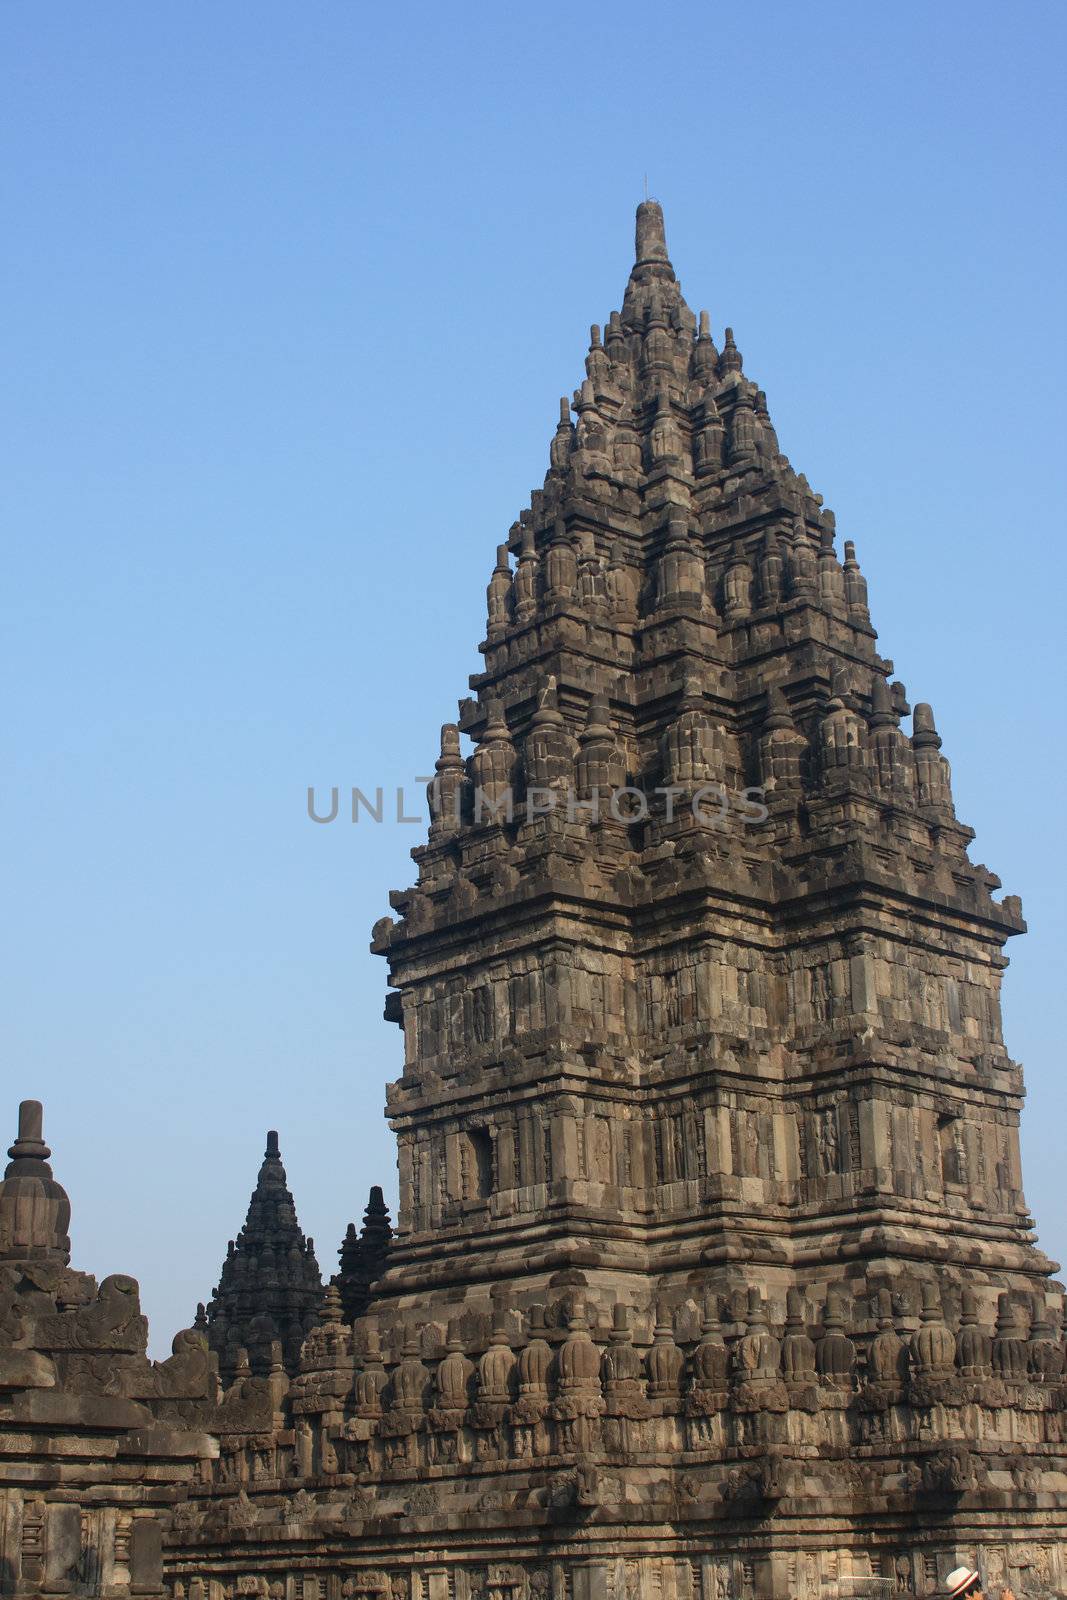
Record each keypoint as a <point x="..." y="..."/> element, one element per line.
<point x="747" y="1362"/>
<point x="550" y="1384"/>
<point x="748" y="1350"/>
<point x="568" y="572"/>
<point x="869" y="747"/>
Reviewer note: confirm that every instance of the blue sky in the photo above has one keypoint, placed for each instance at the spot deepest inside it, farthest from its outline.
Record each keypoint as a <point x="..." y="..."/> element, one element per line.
<point x="290" y="293"/>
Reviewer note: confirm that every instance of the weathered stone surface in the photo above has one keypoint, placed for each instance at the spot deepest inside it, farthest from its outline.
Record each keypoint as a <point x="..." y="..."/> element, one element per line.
<point x="712" y="1273"/>
<point x="90" y="1458"/>
<point x="712" y="1276"/>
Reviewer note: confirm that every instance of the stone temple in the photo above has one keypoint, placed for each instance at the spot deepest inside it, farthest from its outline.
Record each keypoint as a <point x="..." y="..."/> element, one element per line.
<point x="712" y="1277"/>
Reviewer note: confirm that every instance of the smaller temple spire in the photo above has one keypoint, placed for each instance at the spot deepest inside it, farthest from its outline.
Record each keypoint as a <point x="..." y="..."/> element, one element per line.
<point x="650" y="242"/>
<point x="362" y="1256"/>
<point x="446" y="789"/>
<point x="652" y="279"/>
<point x="704" y="354"/>
<point x="730" y="360"/>
<point x="270" y="1288"/>
<point x="932" y="772"/>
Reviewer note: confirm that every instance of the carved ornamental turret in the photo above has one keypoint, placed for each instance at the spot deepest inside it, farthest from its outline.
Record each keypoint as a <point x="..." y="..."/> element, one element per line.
<point x="34" y="1209"/>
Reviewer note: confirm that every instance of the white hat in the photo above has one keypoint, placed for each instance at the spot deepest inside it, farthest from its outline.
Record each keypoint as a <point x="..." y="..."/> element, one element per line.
<point x="960" y="1578"/>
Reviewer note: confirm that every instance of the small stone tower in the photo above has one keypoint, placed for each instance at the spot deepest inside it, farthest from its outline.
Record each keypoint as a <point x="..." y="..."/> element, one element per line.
<point x="363" y="1256"/>
<point x="270" y="1287"/>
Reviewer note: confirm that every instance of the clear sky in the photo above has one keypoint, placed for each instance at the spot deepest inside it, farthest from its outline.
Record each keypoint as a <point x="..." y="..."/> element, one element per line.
<point x="289" y="295"/>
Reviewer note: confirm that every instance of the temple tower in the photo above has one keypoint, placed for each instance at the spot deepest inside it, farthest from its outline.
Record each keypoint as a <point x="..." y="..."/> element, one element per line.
<point x="713" y="1277"/>
<point x="270" y="1287"/>
<point x="747" y="1010"/>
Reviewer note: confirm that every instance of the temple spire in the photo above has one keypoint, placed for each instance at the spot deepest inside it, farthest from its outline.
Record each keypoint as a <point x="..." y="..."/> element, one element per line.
<point x="650" y="243"/>
<point x="270" y="1287"/>
<point x="674" y="626"/>
<point x="362" y="1256"/>
<point x="652" y="293"/>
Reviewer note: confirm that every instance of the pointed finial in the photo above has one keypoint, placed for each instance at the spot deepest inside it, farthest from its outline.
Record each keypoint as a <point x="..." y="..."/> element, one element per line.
<point x="576" y="1320"/>
<point x="840" y="684"/>
<point x="548" y="712"/>
<point x="778" y="713"/>
<point x="710" y="1313"/>
<point x="924" y="729"/>
<point x="272" y="1144"/>
<point x="29" y="1144"/>
<point x="34" y="1209"/>
<point x="412" y="1344"/>
<point x="1040" y="1322"/>
<point x="882" y="713"/>
<point x="1006" y="1314"/>
<point x="794" y="1308"/>
<point x="496" y="726"/>
<point x="730" y="360"/>
<point x="597" y="720"/>
<point x="650" y="237"/>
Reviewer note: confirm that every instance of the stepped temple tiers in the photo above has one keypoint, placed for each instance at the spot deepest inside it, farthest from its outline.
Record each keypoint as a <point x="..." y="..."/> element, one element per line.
<point x="712" y="1277"/>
